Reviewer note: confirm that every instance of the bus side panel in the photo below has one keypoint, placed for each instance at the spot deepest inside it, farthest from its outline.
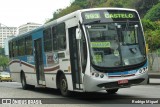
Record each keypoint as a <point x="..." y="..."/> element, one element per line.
<point x="31" y="79"/>
<point x="16" y="77"/>
<point x="15" y="70"/>
<point x="69" y="81"/>
<point x="29" y="74"/>
<point x="50" y="79"/>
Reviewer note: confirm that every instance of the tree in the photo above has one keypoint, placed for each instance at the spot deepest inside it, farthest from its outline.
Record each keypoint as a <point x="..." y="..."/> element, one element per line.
<point x="62" y="12"/>
<point x="4" y="61"/>
<point x="152" y="38"/>
<point x="149" y="25"/>
<point x="154" y="13"/>
<point x="152" y="33"/>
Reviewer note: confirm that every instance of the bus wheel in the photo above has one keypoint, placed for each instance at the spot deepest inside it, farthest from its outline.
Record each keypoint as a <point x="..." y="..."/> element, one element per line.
<point x="64" y="86"/>
<point x="112" y="91"/>
<point x="23" y="81"/>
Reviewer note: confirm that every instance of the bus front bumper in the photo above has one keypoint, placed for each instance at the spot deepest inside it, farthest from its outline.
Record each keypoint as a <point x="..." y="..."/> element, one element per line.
<point x="96" y="84"/>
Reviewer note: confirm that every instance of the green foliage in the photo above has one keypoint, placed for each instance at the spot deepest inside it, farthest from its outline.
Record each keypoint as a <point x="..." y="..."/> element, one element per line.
<point x="152" y="33"/>
<point x="154" y="13"/>
<point x="4" y="61"/>
<point x="61" y="12"/>
<point x="142" y="6"/>
<point x="152" y="38"/>
<point x="149" y="25"/>
<point x="81" y="3"/>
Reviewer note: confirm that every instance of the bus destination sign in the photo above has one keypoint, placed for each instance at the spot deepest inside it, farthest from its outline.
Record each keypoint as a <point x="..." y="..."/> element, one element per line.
<point x="119" y="15"/>
<point x="109" y="15"/>
<point x="94" y="15"/>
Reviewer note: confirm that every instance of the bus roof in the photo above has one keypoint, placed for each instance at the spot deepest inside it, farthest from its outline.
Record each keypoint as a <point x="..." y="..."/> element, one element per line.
<point x="66" y="17"/>
<point x="76" y="13"/>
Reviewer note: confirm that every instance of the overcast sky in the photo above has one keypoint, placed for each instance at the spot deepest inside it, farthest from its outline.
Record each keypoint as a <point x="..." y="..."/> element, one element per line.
<point x="14" y="13"/>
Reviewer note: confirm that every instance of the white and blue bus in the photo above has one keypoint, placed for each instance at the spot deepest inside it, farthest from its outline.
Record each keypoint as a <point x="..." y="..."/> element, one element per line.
<point x="87" y="50"/>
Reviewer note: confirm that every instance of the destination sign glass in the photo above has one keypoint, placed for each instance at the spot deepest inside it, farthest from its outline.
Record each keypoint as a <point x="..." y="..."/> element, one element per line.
<point x="92" y="15"/>
<point x="127" y="15"/>
<point x="108" y="15"/>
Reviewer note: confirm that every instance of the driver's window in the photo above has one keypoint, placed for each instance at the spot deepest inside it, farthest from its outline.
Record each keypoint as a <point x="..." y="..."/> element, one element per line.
<point x="129" y="37"/>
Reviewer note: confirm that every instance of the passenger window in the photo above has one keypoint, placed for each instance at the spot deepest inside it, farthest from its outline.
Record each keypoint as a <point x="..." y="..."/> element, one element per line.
<point x="55" y="43"/>
<point x="47" y="40"/>
<point x="15" y="49"/>
<point x="59" y="37"/>
<point x="21" y="48"/>
<point x="10" y="49"/>
<point x="61" y="34"/>
<point x="28" y="45"/>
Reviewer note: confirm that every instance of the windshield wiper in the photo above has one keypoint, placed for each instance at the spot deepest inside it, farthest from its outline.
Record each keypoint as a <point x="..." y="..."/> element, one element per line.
<point x="92" y="21"/>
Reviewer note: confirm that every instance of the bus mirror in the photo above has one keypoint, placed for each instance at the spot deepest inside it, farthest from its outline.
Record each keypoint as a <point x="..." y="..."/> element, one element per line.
<point x="78" y="33"/>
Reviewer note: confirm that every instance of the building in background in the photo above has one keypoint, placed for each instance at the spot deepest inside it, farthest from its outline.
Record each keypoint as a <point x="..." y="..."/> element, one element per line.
<point x="6" y="32"/>
<point x="27" y="27"/>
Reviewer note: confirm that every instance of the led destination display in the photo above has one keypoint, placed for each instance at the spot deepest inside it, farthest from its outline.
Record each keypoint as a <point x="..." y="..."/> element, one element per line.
<point x="110" y="14"/>
<point x="119" y="15"/>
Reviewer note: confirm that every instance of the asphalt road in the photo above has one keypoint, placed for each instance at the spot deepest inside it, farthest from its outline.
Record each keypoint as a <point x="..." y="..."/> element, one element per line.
<point x="98" y="99"/>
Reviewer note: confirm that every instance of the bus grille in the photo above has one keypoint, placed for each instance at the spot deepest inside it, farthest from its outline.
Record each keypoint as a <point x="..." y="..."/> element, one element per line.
<point x="115" y="84"/>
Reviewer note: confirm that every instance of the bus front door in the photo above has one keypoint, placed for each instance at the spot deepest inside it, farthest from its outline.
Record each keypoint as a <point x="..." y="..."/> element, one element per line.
<point x="75" y="59"/>
<point x="39" y="62"/>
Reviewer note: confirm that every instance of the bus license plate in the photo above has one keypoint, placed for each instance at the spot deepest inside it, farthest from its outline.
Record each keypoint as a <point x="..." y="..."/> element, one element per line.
<point x="123" y="81"/>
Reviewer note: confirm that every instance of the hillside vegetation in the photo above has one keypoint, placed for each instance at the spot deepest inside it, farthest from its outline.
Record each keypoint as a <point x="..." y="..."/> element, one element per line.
<point x="149" y="11"/>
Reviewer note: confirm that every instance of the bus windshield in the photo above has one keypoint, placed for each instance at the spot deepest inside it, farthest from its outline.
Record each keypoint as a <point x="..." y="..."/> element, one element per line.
<point x="116" y="44"/>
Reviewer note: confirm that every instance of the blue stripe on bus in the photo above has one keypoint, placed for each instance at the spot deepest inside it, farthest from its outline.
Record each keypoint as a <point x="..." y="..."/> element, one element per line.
<point x="126" y="72"/>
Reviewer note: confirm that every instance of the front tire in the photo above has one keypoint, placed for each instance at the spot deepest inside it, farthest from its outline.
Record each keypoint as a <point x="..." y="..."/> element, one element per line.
<point x="112" y="91"/>
<point x="64" y="86"/>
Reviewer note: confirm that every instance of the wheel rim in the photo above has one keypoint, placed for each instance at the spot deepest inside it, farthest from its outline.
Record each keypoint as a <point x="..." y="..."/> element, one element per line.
<point x="63" y="85"/>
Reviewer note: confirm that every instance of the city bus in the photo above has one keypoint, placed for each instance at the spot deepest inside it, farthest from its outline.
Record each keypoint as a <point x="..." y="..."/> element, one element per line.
<point x="88" y="50"/>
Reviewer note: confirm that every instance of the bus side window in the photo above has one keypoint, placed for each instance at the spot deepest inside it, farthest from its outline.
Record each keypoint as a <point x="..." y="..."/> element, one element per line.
<point x="54" y="36"/>
<point x="21" y="49"/>
<point x="47" y="40"/>
<point x="15" y="49"/>
<point x="10" y="50"/>
<point x="28" y="45"/>
<point x="61" y="36"/>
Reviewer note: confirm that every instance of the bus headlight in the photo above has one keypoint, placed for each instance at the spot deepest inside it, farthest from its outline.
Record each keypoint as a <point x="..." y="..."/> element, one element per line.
<point x="102" y="75"/>
<point x="142" y="70"/>
<point x="97" y="74"/>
